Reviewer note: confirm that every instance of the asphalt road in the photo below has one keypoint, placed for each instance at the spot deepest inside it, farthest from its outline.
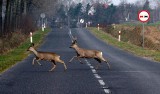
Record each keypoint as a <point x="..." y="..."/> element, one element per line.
<point x="129" y="74"/>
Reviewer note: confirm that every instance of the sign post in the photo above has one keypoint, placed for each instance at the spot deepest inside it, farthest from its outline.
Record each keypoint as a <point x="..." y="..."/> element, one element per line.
<point x="42" y="16"/>
<point x="143" y="16"/>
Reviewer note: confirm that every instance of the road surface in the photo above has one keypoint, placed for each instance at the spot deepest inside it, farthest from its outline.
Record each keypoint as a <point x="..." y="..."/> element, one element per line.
<point x="129" y="74"/>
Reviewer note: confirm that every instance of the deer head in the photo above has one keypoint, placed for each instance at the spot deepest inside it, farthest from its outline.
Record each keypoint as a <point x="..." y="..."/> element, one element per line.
<point x="31" y="47"/>
<point x="74" y="42"/>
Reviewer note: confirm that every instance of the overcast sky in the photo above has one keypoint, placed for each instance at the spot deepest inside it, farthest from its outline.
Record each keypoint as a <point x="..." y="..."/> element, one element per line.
<point x="152" y="2"/>
<point x="116" y="2"/>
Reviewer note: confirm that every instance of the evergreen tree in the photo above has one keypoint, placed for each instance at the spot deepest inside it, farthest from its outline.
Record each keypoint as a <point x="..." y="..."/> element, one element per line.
<point x="146" y="5"/>
<point x="1" y="1"/>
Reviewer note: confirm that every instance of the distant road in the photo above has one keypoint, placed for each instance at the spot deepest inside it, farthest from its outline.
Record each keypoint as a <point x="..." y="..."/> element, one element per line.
<point x="129" y="74"/>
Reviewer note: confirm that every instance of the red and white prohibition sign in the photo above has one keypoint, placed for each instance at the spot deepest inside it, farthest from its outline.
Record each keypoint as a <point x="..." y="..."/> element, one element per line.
<point x="143" y="16"/>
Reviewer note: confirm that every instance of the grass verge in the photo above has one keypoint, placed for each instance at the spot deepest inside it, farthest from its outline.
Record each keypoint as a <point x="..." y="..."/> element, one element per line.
<point x="19" y="53"/>
<point x="151" y="54"/>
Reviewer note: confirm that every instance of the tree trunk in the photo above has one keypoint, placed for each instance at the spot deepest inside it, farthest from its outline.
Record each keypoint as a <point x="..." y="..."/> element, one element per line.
<point x="6" y="20"/>
<point x="1" y="17"/>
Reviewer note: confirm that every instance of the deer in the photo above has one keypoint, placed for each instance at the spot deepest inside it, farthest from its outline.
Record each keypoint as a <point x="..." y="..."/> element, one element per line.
<point x="87" y="53"/>
<point x="48" y="56"/>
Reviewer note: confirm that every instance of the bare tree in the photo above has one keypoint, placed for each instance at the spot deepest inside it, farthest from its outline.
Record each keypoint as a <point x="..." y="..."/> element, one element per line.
<point x="19" y="13"/>
<point x="158" y="9"/>
<point x="1" y="16"/>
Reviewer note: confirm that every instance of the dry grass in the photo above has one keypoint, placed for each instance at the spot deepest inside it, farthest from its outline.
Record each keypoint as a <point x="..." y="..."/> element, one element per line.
<point x="147" y="53"/>
<point x="133" y="34"/>
<point x="11" y="41"/>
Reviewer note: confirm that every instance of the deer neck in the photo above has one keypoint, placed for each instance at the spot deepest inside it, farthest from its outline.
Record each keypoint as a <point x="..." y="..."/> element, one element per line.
<point x="35" y="52"/>
<point x="77" y="48"/>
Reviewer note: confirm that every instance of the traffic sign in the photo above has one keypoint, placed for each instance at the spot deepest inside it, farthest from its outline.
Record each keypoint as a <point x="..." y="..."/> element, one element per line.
<point x="143" y="16"/>
<point x="42" y="15"/>
<point x="81" y="20"/>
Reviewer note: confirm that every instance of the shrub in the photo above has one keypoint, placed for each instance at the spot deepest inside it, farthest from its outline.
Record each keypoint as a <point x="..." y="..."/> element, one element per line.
<point x="11" y="41"/>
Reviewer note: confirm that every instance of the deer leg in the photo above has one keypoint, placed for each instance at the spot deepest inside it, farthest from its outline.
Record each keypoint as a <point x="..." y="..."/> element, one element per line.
<point x="72" y="59"/>
<point x="33" y="60"/>
<point x="106" y="62"/>
<point x="99" y="61"/>
<point x="38" y="62"/>
<point x="54" y="66"/>
<point x="61" y="61"/>
<point x="78" y="58"/>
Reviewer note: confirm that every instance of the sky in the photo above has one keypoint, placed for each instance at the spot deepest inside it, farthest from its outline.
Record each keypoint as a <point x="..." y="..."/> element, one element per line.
<point x="152" y="2"/>
<point x="116" y="2"/>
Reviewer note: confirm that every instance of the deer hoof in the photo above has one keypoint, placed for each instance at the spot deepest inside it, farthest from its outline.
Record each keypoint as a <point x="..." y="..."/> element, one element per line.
<point x="81" y="62"/>
<point x="109" y="67"/>
<point x="50" y="70"/>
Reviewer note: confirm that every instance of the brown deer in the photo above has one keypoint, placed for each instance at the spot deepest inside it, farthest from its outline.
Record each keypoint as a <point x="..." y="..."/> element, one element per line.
<point x="49" y="56"/>
<point x="85" y="53"/>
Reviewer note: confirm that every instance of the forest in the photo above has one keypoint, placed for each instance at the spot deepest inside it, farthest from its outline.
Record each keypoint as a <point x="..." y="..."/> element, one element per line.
<point x="107" y="13"/>
<point x="24" y="15"/>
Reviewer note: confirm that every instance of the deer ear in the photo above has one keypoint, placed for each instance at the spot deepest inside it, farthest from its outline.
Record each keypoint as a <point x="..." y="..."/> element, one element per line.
<point x="74" y="38"/>
<point x="74" y="42"/>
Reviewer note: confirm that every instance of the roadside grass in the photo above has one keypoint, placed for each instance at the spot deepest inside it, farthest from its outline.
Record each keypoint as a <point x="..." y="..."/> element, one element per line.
<point x="17" y="54"/>
<point x="150" y="54"/>
<point x="140" y="24"/>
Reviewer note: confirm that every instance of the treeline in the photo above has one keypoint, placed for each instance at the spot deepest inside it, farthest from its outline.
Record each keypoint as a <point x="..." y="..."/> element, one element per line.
<point x="20" y="17"/>
<point x="104" y="13"/>
<point x="23" y="15"/>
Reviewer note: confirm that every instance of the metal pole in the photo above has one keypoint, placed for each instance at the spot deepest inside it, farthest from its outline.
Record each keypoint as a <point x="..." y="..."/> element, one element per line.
<point x="143" y="36"/>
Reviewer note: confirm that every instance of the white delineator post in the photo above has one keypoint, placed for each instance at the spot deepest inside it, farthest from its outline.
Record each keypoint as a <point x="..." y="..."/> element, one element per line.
<point x="86" y="25"/>
<point x="98" y="27"/>
<point x="42" y="27"/>
<point x="31" y="40"/>
<point x="119" y="36"/>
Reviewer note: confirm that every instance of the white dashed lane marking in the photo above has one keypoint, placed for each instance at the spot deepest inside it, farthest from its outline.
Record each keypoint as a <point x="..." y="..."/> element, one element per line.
<point x="97" y="76"/>
<point x="100" y="80"/>
<point x="94" y="71"/>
